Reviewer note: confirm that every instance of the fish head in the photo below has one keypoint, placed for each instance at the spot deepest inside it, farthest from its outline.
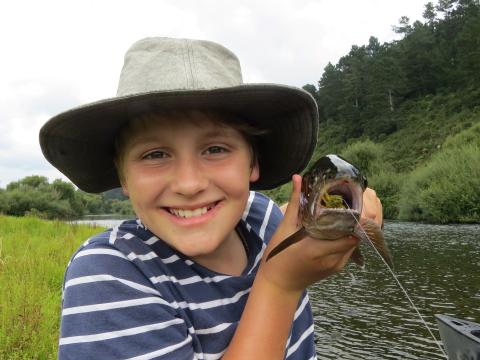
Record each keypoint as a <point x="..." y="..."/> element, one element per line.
<point x="332" y="177"/>
<point x="330" y="207"/>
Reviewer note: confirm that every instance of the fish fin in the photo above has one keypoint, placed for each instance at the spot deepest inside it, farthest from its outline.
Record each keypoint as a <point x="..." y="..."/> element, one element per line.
<point x="357" y="257"/>
<point x="292" y="239"/>
<point x="375" y="234"/>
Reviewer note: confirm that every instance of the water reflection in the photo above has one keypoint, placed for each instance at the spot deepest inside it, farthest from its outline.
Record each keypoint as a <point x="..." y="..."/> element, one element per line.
<point x="369" y="317"/>
<point x="106" y="221"/>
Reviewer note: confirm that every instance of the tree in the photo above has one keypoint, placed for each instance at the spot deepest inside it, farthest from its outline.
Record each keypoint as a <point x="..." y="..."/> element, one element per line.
<point x="330" y="92"/>
<point x="311" y="89"/>
<point x="429" y="13"/>
<point x="33" y="181"/>
<point x="403" y="26"/>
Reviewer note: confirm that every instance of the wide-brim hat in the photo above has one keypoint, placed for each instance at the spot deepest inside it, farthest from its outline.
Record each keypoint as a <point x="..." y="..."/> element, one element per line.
<point x="168" y="74"/>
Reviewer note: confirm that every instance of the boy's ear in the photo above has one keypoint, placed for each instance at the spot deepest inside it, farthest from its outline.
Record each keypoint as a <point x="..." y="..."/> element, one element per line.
<point x="255" y="173"/>
<point x="124" y="190"/>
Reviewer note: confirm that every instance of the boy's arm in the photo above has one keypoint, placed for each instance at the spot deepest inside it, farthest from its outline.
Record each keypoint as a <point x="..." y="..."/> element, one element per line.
<point x="268" y="315"/>
<point x="372" y="206"/>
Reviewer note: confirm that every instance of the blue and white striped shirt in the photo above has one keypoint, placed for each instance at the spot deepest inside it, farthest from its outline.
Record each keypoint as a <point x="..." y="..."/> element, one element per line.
<point x="128" y="295"/>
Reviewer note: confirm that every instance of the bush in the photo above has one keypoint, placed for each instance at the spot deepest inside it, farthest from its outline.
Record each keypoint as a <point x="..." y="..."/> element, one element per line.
<point x="121" y="207"/>
<point x="470" y="135"/>
<point x="367" y="156"/>
<point x="446" y="189"/>
<point x="281" y="194"/>
<point x="388" y="186"/>
<point x="35" y="196"/>
<point x="25" y="200"/>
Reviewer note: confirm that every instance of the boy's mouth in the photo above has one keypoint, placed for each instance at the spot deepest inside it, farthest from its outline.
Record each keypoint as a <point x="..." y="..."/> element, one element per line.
<point x="190" y="213"/>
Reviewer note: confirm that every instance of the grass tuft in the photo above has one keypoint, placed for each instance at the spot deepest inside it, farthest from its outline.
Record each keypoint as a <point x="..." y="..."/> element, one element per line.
<point x="33" y="257"/>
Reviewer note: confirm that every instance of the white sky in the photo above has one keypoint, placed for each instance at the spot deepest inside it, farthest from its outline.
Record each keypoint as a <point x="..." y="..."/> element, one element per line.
<point x="57" y="54"/>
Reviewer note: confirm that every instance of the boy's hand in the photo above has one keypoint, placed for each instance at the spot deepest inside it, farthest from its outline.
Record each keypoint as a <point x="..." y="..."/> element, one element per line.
<point x="372" y="206"/>
<point x="307" y="261"/>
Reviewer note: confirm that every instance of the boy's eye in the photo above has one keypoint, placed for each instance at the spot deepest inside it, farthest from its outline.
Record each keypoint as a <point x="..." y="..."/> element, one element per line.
<point x="157" y="154"/>
<point x="215" y="150"/>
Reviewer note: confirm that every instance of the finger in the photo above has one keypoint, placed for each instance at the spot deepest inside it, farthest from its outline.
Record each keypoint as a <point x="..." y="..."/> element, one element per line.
<point x="335" y="262"/>
<point x="338" y="246"/>
<point x="344" y="260"/>
<point x="291" y="213"/>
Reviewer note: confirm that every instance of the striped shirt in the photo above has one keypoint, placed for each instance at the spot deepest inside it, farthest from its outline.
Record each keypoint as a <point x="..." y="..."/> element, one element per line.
<point x="128" y="295"/>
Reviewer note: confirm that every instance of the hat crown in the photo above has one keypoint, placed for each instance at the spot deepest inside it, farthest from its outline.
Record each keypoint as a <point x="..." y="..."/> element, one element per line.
<point x="163" y="64"/>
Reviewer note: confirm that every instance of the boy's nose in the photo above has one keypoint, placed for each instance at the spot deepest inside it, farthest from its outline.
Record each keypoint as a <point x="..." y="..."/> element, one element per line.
<point x="188" y="179"/>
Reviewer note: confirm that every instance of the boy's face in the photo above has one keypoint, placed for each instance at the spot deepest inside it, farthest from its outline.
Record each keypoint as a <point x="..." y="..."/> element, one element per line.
<point x="188" y="181"/>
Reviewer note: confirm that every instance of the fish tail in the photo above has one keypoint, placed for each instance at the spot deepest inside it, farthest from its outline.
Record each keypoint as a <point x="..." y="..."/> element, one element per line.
<point x="357" y="257"/>
<point x="375" y="234"/>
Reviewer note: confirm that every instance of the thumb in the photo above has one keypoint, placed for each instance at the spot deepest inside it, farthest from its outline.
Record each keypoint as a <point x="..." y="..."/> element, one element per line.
<point x="291" y="213"/>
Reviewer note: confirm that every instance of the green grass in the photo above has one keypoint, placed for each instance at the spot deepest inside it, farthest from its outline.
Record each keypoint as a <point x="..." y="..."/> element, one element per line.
<point x="33" y="257"/>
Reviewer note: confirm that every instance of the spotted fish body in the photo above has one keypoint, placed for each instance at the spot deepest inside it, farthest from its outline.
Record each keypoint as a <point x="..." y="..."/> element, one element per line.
<point x="333" y="175"/>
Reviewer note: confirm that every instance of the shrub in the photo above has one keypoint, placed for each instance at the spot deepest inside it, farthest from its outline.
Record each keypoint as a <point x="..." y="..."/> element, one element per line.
<point x="367" y="156"/>
<point x="470" y="135"/>
<point x="446" y="189"/>
<point x="281" y="194"/>
<point x="121" y="207"/>
<point x="388" y="186"/>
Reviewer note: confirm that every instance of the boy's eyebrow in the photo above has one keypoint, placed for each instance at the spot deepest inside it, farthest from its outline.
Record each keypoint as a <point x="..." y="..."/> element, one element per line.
<point x="142" y="139"/>
<point x="219" y="131"/>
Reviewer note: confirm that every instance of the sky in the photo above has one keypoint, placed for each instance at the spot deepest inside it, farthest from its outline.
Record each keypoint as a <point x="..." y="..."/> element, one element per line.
<point x="58" y="54"/>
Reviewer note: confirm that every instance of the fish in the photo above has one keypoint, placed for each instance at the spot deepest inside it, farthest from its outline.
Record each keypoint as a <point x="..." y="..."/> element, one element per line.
<point x="330" y="206"/>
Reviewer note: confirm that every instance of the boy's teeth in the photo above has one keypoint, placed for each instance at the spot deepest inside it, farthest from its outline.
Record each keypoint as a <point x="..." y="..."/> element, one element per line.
<point x="189" y="213"/>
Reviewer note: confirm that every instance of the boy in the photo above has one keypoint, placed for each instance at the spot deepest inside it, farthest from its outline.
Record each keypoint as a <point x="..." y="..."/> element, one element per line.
<point x="187" y="141"/>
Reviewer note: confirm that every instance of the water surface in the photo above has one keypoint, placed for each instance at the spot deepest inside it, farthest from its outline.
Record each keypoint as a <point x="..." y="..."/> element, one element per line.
<point x="370" y="318"/>
<point x="107" y="221"/>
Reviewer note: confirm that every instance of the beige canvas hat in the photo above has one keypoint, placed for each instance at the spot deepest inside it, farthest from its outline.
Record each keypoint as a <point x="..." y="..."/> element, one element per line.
<point x="165" y="73"/>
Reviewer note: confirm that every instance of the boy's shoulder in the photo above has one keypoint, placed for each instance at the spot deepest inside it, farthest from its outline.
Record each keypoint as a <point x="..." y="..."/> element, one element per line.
<point x="121" y="241"/>
<point x="262" y="215"/>
<point x="126" y="230"/>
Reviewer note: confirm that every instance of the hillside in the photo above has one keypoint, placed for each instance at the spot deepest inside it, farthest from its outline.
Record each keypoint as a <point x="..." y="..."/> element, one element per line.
<point x="405" y="109"/>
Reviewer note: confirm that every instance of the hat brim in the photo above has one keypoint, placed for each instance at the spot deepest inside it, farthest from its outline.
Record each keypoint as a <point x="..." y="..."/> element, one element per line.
<point x="80" y="142"/>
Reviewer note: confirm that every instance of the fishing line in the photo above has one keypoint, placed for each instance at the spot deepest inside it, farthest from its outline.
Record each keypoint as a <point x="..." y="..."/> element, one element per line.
<point x="399" y="283"/>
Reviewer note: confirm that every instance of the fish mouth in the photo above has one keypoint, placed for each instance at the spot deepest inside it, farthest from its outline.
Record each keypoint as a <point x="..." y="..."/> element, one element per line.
<point x="350" y="191"/>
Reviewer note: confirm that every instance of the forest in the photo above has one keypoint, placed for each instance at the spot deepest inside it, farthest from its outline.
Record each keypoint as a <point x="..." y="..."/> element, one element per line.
<point x="406" y="112"/>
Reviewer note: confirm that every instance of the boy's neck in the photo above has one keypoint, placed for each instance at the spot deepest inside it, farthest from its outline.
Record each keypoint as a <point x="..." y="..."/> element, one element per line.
<point x="230" y="258"/>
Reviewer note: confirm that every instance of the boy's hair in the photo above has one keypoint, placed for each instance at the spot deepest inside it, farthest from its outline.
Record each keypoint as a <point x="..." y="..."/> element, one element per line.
<point x="250" y="133"/>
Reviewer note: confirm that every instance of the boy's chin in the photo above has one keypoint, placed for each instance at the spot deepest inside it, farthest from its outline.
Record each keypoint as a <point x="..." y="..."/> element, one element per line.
<point x="194" y="247"/>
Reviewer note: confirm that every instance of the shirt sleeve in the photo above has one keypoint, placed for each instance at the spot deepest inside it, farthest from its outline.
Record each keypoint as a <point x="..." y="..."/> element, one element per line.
<point x="110" y="310"/>
<point x="262" y="215"/>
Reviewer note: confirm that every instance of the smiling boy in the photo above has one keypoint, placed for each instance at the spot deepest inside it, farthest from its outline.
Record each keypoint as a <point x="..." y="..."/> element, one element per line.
<point x="188" y="141"/>
<point x="187" y="175"/>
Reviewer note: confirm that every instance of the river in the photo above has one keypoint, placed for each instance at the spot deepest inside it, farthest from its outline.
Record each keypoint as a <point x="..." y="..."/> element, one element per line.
<point x="363" y="314"/>
<point x="367" y="316"/>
